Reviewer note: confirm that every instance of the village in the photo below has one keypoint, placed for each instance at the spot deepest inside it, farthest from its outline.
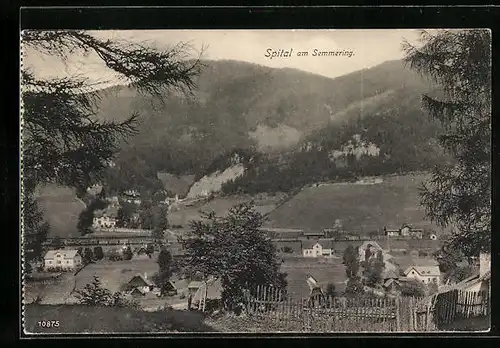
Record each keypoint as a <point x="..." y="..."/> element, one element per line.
<point x="124" y="259"/>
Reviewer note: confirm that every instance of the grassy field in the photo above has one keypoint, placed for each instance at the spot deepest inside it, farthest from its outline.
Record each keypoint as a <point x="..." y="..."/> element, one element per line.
<point x="113" y="275"/>
<point x="83" y="319"/>
<point x="50" y="292"/>
<point x="220" y="205"/>
<point x="323" y="270"/>
<point x="61" y="209"/>
<point x="361" y="208"/>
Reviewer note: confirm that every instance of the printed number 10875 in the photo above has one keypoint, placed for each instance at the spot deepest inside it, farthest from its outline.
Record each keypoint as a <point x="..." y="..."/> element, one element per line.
<point x="48" y="323"/>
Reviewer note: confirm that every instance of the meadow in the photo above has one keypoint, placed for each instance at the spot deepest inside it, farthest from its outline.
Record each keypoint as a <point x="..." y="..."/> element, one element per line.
<point x="61" y="209"/>
<point x="113" y="275"/>
<point x="324" y="270"/>
<point x="361" y="208"/>
<point x="182" y="215"/>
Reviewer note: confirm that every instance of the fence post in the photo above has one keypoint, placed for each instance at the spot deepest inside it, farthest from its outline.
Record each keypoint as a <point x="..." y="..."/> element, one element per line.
<point x="398" y="319"/>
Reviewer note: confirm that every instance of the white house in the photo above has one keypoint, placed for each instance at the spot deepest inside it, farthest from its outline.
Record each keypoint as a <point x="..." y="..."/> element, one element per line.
<point x="66" y="259"/>
<point x="104" y="222"/>
<point x="105" y="219"/>
<point x="424" y="274"/>
<point x="316" y="249"/>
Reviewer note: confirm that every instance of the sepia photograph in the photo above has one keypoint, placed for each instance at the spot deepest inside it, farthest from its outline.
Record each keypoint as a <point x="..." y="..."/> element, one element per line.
<point x="255" y="181"/>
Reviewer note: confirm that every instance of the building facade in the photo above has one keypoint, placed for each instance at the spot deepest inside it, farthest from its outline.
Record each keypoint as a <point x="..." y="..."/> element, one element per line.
<point x="65" y="259"/>
<point x="316" y="249"/>
<point x="424" y="274"/>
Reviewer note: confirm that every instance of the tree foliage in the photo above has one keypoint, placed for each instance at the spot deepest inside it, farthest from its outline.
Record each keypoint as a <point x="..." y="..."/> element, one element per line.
<point x="350" y="261"/>
<point x="165" y="269"/>
<point x="373" y="269"/>
<point x="62" y="140"/>
<point x="413" y="288"/>
<point x="35" y="230"/>
<point x="86" y="217"/>
<point x="127" y="253"/>
<point x="94" y="294"/>
<point x="87" y="255"/>
<point x="459" y="193"/>
<point x="234" y="250"/>
<point x="98" y="253"/>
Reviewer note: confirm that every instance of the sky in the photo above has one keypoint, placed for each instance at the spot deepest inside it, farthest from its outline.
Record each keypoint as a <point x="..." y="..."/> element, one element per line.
<point x="369" y="48"/>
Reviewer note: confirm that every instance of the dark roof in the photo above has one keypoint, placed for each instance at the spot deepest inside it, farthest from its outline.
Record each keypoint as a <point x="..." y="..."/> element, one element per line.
<point x="141" y="278"/>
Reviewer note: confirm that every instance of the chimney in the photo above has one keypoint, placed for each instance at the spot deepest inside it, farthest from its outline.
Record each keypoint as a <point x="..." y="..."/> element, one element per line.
<point x="484" y="263"/>
<point x="145" y="275"/>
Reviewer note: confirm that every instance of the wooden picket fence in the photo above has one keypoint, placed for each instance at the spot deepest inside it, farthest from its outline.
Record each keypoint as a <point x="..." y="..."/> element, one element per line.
<point x="339" y="314"/>
<point x="455" y="305"/>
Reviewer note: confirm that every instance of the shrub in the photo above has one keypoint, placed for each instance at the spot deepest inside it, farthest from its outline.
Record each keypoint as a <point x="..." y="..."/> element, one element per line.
<point x="413" y="288"/>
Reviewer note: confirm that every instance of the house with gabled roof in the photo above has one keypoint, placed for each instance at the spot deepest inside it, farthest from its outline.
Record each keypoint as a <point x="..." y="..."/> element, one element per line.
<point x="317" y="248"/>
<point x="141" y="282"/>
<point x="62" y="258"/>
<point x="424" y="274"/>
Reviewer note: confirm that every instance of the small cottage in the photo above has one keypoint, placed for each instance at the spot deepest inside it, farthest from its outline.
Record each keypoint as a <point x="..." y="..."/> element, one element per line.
<point x="141" y="282"/>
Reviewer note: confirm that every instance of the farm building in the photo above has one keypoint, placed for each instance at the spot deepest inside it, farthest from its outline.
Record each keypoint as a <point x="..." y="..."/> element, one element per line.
<point x="141" y="282"/>
<point x="317" y="248"/>
<point x="66" y="259"/>
<point x="425" y="274"/>
<point x="137" y="292"/>
<point x="406" y="231"/>
<point x="391" y="281"/>
<point x="392" y="232"/>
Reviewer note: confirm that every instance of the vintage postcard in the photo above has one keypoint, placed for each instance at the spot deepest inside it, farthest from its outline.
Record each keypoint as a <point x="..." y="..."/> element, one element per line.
<point x="255" y="181"/>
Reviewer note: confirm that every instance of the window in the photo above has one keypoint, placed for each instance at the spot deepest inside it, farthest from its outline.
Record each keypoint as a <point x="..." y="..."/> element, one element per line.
<point x="50" y="262"/>
<point x="67" y="262"/>
<point x="58" y="262"/>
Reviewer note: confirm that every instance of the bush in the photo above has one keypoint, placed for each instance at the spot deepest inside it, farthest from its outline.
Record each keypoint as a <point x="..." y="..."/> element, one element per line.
<point x="413" y="288"/>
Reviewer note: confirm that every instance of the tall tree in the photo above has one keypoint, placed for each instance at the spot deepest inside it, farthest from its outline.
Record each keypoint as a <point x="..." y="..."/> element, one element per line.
<point x="87" y="255"/>
<point x="165" y="269"/>
<point x="62" y="141"/>
<point x="459" y="193"/>
<point x="35" y="231"/>
<point x="234" y="250"/>
<point x="351" y="261"/>
<point x="160" y="223"/>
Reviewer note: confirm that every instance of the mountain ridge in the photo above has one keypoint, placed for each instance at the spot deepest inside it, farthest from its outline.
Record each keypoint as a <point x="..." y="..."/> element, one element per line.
<point x="274" y="111"/>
